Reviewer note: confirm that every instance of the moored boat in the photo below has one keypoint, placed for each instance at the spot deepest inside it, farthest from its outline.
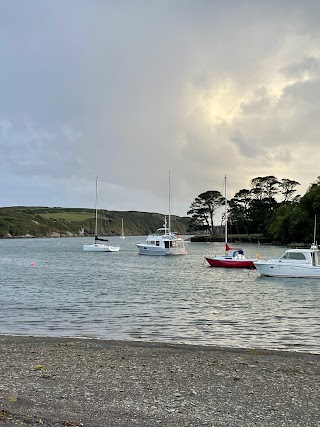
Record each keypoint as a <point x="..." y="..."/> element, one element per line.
<point x="99" y="247"/>
<point x="235" y="260"/>
<point x="163" y="242"/>
<point x="297" y="262"/>
<point x="293" y="263"/>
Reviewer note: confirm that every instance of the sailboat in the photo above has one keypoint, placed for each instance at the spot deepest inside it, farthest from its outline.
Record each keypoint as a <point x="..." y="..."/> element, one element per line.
<point x="99" y="247"/>
<point x="164" y="241"/>
<point x="122" y="236"/>
<point x="237" y="258"/>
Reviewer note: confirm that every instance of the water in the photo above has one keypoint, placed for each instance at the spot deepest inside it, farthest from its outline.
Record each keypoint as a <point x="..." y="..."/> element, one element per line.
<point x="121" y="295"/>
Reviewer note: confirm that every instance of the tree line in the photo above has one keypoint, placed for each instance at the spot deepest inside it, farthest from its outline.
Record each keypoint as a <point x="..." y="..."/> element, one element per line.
<point x="270" y="207"/>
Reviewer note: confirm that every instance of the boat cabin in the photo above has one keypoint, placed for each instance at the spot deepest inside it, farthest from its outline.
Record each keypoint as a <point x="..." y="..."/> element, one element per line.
<point x="302" y="256"/>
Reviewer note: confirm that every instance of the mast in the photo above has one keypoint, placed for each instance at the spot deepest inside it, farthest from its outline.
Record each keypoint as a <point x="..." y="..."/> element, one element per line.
<point x="225" y="212"/>
<point x="96" y="209"/>
<point x="169" y="205"/>
<point x="315" y="228"/>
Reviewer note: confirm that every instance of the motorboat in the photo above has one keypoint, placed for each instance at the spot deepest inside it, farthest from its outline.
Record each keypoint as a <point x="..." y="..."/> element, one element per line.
<point x="237" y="258"/>
<point x="293" y="263"/>
<point x="99" y="247"/>
<point x="163" y="242"/>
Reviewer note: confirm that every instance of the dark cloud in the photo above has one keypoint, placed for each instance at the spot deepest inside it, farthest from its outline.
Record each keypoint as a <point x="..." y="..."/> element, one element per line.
<point x="128" y="90"/>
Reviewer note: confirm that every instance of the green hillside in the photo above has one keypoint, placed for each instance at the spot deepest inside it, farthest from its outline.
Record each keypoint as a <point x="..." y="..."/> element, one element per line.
<point x="39" y="221"/>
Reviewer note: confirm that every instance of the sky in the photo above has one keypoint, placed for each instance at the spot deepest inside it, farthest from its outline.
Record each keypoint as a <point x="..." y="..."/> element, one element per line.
<point x="129" y="90"/>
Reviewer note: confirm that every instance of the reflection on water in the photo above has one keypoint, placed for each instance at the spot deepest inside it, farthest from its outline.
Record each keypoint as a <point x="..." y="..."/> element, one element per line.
<point x="69" y="292"/>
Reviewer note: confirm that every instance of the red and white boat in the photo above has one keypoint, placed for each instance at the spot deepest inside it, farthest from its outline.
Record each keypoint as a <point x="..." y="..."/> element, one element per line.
<point x="236" y="259"/>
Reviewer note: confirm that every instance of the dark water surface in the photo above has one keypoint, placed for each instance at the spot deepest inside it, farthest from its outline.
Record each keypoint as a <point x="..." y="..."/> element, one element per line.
<point x="69" y="292"/>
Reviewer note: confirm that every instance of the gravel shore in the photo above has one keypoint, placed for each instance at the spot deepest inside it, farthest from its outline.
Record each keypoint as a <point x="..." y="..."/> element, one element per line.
<point x="56" y="382"/>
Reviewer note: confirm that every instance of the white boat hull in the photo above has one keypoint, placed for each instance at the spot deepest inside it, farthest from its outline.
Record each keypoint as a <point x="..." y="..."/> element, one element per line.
<point x="266" y="268"/>
<point x="152" y="250"/>
<point x="97" y="247"/>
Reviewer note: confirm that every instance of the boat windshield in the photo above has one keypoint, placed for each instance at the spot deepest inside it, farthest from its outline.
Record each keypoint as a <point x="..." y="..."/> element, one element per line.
<point x="294" y="255"/>
<point x="162" y="231"/>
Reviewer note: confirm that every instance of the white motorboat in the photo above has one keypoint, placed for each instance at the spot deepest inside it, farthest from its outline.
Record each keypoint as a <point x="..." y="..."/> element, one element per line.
<point x="293" y="263"/>
<point x="163" y="242"/>
<point x="99" y="247"/>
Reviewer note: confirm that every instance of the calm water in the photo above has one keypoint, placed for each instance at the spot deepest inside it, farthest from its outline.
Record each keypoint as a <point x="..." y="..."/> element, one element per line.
<point x="122" y="295"/>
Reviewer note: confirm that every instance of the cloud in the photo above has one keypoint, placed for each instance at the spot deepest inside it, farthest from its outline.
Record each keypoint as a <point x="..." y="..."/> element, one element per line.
<point x="128" y="90"/>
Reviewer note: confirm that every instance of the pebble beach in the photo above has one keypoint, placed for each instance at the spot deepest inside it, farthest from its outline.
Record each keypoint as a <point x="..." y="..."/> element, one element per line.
<point x="98" y="383"/>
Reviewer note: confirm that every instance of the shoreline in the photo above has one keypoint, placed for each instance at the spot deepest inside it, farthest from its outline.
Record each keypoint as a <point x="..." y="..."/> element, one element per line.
<point x="294" y="350"/>
<point x="95" y="382"/>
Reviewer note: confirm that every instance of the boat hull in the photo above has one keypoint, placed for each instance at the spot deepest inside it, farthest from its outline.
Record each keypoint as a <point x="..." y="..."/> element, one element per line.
<point x="266" y="268"/>
<point x="230" y="263"/>
<point x="100" y="248"/>
<point x="152" y="250"/>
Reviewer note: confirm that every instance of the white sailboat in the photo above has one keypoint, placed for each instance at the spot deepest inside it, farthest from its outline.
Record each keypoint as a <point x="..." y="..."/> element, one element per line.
<point x="99" y="247"/>
<point x="122" y="236"/>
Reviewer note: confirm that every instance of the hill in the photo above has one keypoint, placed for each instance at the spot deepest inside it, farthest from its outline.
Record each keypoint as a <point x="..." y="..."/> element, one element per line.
<point x="40" y="221"/>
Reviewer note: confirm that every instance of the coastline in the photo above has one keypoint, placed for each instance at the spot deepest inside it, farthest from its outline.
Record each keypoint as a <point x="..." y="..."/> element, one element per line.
<point x="97" y="383"/>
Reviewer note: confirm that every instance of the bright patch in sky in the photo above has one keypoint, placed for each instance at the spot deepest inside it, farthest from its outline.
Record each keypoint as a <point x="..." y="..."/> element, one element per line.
<point x="130" y="90"/>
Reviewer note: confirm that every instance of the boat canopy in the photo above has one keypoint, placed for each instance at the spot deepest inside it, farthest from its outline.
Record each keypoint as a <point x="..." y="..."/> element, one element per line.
<point x="96" y="238"/>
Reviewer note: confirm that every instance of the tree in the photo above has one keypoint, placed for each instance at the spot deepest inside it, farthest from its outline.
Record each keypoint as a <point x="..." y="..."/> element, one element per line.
<point x="239" y="210"/>
<point x="290" y="223"/>
<point x="263" y="191"/>
<point x="287" y="189"/>
<point x="311" y="200"/>
<point x="203" y="208"/>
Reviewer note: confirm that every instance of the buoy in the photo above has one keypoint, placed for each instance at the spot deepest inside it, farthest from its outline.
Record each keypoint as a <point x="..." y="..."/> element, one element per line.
<point x="32" y="264"/>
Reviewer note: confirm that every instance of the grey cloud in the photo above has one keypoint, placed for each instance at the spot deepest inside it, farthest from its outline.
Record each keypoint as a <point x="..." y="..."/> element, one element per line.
<point x="246" y="148"/>
<point x="119" y="90"/>
<point x="307" y="68"/>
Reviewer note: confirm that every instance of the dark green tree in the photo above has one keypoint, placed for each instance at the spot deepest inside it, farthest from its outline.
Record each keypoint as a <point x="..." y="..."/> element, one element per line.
<point x="239" y="211"/>
<point x="287" y="189"/>
<point x="203" y="208"/>
<point x="264" y="191"/>
<point x="290" y="223"/>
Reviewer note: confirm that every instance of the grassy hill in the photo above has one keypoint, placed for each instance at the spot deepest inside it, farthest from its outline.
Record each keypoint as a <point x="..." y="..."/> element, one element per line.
<point x="40" y="221"/>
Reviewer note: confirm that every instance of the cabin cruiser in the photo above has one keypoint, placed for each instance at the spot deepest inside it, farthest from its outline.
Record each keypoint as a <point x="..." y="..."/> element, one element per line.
<point x="163" y="242"/>
<point x="293" y="263"/>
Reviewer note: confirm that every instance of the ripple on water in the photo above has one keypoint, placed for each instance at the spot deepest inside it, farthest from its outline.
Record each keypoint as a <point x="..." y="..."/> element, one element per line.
<point x="125" y="296"/>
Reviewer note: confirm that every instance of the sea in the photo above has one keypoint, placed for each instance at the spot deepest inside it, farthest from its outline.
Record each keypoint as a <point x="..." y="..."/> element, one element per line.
<point x="51" y="287"/>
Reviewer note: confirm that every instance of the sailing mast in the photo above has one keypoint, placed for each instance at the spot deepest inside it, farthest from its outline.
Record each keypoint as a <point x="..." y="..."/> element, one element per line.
<point x="96" y="238"/>
<point x="96" y="210"/>
<point x="225" y="213"/>
<point x="169" y="205"/>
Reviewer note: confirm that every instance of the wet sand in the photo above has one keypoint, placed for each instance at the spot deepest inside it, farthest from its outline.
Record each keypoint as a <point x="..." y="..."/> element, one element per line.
<point x="55" y="382"/>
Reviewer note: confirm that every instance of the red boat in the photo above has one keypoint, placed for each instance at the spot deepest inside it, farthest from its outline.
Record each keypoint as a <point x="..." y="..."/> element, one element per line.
<point x="237" y="259"/>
